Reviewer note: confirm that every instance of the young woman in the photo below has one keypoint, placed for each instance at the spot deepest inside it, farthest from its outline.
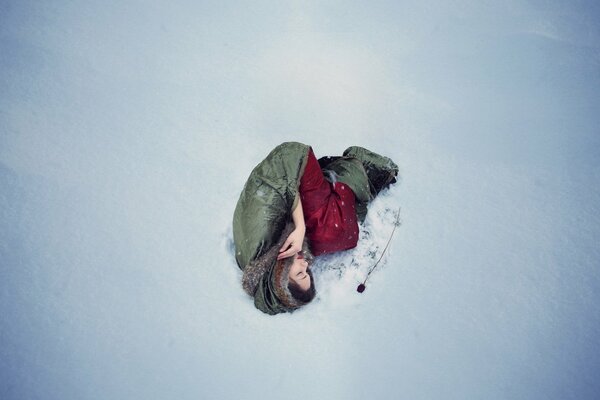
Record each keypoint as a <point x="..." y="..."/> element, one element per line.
<point x="293" y="206"/>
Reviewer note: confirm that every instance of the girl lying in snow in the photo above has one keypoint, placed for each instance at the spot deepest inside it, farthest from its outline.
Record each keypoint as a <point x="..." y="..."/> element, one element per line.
<point x="293" y="207"/>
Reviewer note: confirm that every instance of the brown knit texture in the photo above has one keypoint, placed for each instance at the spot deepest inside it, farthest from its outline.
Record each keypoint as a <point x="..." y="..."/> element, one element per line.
<point x="255" y="270"/>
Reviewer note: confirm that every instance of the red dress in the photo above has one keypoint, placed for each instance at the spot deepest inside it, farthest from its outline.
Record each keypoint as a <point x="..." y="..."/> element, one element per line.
<point x="329" y="211"/>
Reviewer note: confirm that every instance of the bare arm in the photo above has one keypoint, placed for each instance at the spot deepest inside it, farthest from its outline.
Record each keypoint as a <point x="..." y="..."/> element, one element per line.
<point x="293" y="243"/>
<point x="298" y="216"/>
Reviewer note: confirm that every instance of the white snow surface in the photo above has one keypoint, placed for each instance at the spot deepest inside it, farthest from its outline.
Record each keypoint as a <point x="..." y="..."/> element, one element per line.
<point x="128" y="128"/>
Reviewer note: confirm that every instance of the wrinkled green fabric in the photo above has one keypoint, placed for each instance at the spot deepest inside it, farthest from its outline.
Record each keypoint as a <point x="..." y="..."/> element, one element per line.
<point x="365" y="172"/>
<point x="351" y="172"/>
<point x="267" y="201"/>
<point x="265" y="298"/>
<point x="380" y="170"/>
<point x="271" y="193"/>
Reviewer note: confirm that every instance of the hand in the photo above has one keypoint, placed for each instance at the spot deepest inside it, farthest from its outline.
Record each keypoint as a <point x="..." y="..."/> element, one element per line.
<point x="293" y="243"/>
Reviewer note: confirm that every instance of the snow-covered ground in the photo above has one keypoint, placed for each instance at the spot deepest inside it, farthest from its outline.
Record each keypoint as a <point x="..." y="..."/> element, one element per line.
<point x="127" y="129"/>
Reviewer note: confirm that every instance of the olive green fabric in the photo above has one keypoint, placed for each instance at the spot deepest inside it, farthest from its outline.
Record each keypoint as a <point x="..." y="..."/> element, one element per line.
<point x="272" y="295"/>
<point x="351" y="172"/>
<point x="265" y="299"/>
<point x="267" y="200"/>
<point x="365" y="172"/>
<point x="267" y="280"/>
<point x="266" y="203"/>
<point x="380" y="170"/>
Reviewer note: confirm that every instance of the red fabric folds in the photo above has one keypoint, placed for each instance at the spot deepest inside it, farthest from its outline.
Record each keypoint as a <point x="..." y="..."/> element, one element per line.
<point x="329" y="211"/>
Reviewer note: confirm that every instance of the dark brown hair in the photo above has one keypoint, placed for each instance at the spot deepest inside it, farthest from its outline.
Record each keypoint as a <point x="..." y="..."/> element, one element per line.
<point x="305" y="296"/>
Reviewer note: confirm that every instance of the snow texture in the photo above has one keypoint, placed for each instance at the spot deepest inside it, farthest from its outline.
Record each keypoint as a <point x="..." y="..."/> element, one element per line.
<point x="128" y="128"/>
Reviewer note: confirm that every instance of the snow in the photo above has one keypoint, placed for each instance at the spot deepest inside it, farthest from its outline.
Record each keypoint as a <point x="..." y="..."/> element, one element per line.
<point x="128" y="129"/>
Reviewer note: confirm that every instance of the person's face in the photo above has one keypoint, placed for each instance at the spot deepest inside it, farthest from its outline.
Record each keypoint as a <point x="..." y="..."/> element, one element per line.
<point x="298" y="272"/>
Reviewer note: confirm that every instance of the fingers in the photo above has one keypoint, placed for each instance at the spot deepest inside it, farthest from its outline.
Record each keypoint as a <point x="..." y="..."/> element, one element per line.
<point x="285" y="254"/>
<point x="292" y="245"/>
<point x="285" y="249"/>
<point x="287" y="244"/>
<point x="289" y="252"/>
